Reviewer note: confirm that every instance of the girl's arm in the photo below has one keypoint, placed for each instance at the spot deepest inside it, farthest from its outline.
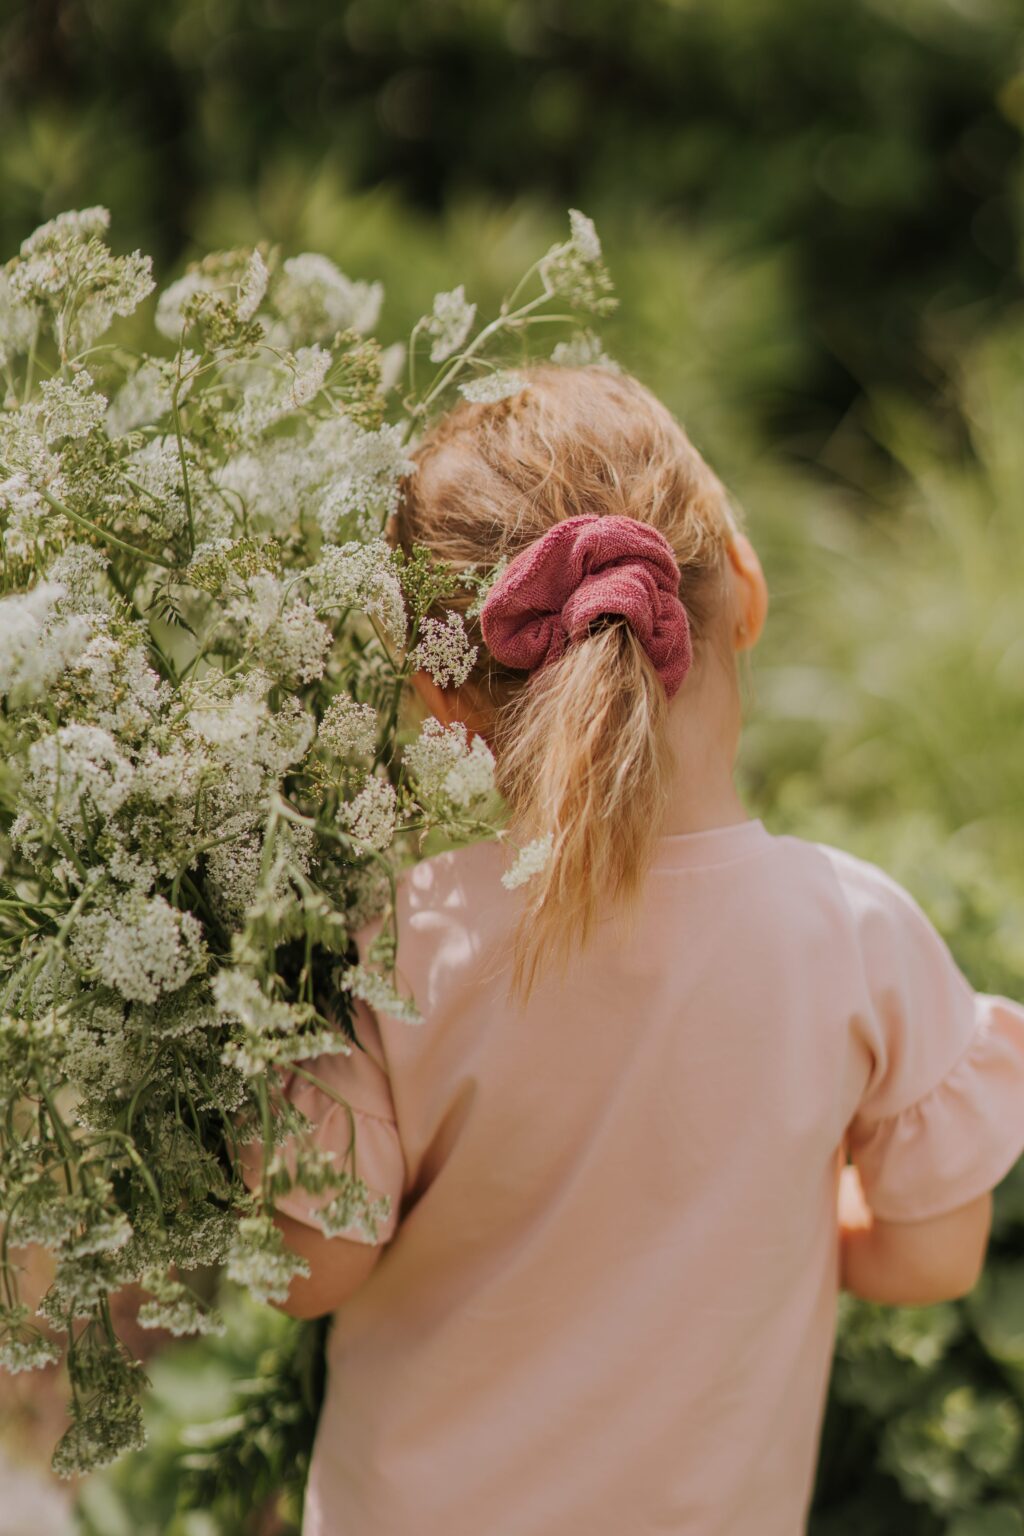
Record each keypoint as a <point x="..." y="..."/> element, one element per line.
<point x="910" y="1263"/>
<point x="337" y="1267"/>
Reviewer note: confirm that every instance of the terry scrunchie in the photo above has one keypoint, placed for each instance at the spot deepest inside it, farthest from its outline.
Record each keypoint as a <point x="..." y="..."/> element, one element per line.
<point x="580" y="568"/>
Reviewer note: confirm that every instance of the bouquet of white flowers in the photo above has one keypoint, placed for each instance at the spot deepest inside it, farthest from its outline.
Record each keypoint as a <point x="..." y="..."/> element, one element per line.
<point x="204" y="641"/>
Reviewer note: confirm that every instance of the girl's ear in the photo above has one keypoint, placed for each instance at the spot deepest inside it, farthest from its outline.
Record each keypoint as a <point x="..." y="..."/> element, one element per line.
<point x="751" y="592"/>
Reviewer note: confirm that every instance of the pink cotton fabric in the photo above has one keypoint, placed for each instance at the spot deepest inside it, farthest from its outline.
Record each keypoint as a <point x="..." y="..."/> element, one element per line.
<point x="579" y="569"/>
<point x="606" y="1299"/>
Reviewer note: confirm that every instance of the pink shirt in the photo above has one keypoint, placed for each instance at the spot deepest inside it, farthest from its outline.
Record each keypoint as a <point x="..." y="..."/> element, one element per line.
<point x="606" y="1299"/>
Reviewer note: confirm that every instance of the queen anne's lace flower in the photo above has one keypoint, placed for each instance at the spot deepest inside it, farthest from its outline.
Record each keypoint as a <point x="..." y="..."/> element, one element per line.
<point x="584" y="350"/>
<point x="493" y="386"/>
<point x="259" y="1260"/>
<point x="450" y="323"/>
<point x="70" y="410"/>
<point x="144" y="947"/>
<point x="365" y="492"/>
<point x="315" y="300"/>
<point x="348" y="729"/>
<point x="143" y="398"/>
<point x="35" y="643"/>
<point x="444" y="650"/>
<point x="372" y="815"/>
<point x="77" y="769"/>
<point x="311" y="365"/>
<point x="447" y="771"/>
<point x="529" y="861"/>
<point x="360" y="576"/>
<point x="376" y="990"/>
<point x="574" y="270"/>
<point x="252" y="286"/>
<point x="19" y="323"/>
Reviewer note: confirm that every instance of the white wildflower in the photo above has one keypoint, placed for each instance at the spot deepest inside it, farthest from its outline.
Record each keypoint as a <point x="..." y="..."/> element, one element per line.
<point x="259" y="1260"/>
<point x="348" y="729"/>
<point x="493" y="386"/>
<point x="169" y="319"/>
<point x="229" y="720"/>
<point x="392" y="365"/>
<point x="295" y="646"/>
<point x="380" y="994"/>
<point x="114" y="680"/>
<point x="583" y="350"/>
<point x="79" y="568"/>
<point x="252" y="286"/>
<point x="143" y="398"/>
<point x="18" y="323"/>
<point x="241" y="997"/>
<point x="75" y="224"/>
<point x="70" y="410"/>
<point x="584" y="236"/>
<point x="36" y="645"/>
<point x="448" y="769"/>
<point x="311" y="367"/>
<point x="174" y="1308"/>
<point x="156" y="466"/>
<point x="449" y="324"/>
<point x="354" y="1212"/>
<point x="529" y="861"/>
<point x="372" y="815"/>
<point x="143" y="947"/>
<point x="444" y="651"/>
<point x="76" y="769"/>
<point x="574" y="270"/>
<point x="364" y="491"/>
<point x="28" y="1350"/>
<point x="362" y="576"/>
<point x="65" y="267"/>
<point x="315" y="300"/>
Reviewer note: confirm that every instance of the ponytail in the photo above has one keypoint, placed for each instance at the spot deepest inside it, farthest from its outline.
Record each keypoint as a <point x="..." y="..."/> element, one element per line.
<point x="583" y="754"/>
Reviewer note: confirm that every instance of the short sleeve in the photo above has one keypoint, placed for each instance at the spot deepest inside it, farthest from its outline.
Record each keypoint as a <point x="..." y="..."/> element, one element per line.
<point x="361" y="1080"/>
<point x="941" y="1118"/>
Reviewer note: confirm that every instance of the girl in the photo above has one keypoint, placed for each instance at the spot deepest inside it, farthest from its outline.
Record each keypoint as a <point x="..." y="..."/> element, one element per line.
<point x="605" y="1299"/>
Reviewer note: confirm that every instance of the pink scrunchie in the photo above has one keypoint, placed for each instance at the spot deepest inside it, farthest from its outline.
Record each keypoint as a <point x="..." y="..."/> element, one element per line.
<point x="580" y="568"/>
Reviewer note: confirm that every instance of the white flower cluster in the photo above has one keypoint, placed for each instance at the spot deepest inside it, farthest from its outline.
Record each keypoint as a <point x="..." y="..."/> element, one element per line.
<point x="444" y="650"/>
<point x="281" y="629"/>
<point x="67" y="271"/>
<point x="449" y="323"/>
<point x="205" y="638"/>
<point x="372" y="816"/>
<point x="376" y="990"/>
<point x="36" y="643"/>
<point x="448" y="772"/>
<point x="584" y="350"/>
<point x="361" y="576"/>
<point x="529" y="861"/>
<point x="489" y="387"/>
<point x="143" y="946"/>
<point x="314" y="299"/>
<point x="574" y="270"/>
<point x="348" y="729"/>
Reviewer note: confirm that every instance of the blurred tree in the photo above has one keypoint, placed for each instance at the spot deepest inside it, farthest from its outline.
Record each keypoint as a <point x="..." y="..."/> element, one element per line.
<point x="876" y="142"/>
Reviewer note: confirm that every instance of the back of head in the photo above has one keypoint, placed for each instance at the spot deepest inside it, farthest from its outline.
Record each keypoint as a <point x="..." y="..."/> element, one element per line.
<point x="581" y="743"/>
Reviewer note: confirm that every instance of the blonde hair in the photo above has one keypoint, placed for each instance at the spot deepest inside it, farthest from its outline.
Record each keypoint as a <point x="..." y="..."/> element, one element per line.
<point x="581" y="745"/>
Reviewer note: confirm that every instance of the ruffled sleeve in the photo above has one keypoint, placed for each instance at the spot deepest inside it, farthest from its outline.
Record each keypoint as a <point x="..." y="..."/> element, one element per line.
<point x="361" y="1080"/>
<point x="941" y="1119"/>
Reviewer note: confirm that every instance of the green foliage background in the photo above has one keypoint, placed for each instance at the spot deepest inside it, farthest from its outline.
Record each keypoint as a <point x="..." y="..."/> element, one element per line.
<point x="811" y="210"/>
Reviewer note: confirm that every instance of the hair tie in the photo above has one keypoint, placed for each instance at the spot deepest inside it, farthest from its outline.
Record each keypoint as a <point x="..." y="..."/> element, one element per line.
<point x="580" y="568"/>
